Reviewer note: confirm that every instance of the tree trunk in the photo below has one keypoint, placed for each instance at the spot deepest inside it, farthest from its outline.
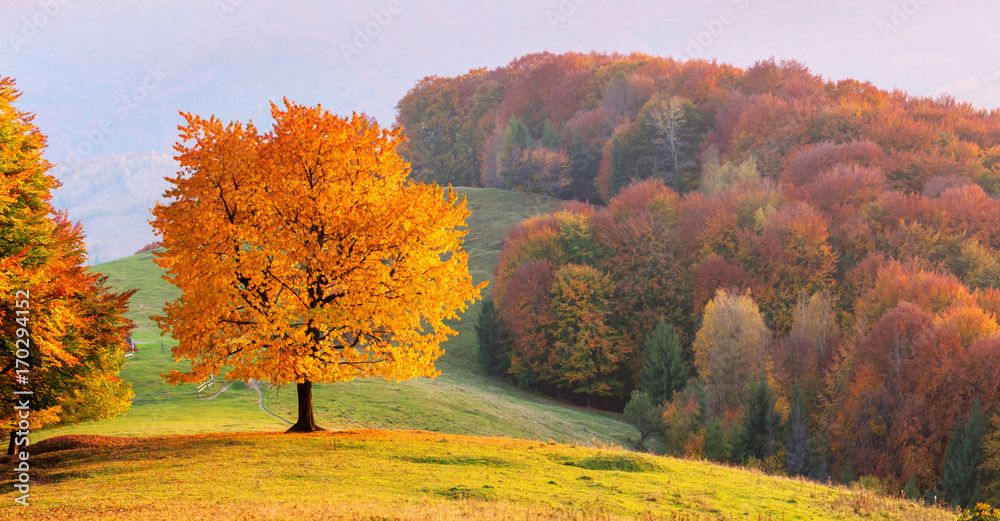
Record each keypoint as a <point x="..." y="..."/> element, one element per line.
<point x="305" y="422"/>
<point x="11" y="449"/>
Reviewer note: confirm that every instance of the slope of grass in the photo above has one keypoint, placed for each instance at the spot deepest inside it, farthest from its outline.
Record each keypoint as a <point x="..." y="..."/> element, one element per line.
<point x="459" y="401"/>
<point x="455" y="403"/>
<point x="140" y="272"/>
<point x="392" y="475"/>
<point x="411" y="475"/>
<point x="493" y="213"/>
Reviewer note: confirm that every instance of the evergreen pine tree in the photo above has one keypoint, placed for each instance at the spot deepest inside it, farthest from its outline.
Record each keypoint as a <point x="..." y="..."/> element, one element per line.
<point x="959" y="477"/>
<point x="620" y="176"/>
<point x="585" y="163"/>
<point x="799" y="455"/>
<point x="717" y="442"/>
<point x="761" y="423"/>
<point x="515" y="141"/>
<point x="550" y="138"/>
<point x="664" y="369"/>
<point x="910" y="491"/>
<point x="518" y="133"/>
<point x="492" y="337"/>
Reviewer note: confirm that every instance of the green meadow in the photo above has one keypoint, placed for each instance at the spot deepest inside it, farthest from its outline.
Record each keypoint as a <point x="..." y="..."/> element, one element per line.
<point x="459" y="446"/>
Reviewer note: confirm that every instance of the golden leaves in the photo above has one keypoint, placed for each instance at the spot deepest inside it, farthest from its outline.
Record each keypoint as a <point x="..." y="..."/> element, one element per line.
<point x="76" y="323"/>
<point x="306" y="253"/>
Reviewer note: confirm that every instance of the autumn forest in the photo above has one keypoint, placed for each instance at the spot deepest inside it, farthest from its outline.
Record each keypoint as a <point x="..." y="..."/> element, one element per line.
<point x="761" y="266"/>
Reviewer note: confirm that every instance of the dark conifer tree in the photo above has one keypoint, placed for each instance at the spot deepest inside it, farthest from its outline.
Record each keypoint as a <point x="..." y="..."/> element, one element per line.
<point x="960" y="476"/>
<point x="491" y="335"/>
<point x="550" y="138"/>
<point x="761" y="424"/>
<point x="620" y="175"/>
<point x="664" y="369"/>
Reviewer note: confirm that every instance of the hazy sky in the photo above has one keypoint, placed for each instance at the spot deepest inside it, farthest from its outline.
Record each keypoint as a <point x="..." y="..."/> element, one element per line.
<point x="108" y="76"/>
<point x="80" y="62"/>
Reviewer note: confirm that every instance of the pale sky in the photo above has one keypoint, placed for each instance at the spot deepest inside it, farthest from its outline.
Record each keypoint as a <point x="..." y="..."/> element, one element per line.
<point x="80" y="61"/>
<point x="108" y="76"/>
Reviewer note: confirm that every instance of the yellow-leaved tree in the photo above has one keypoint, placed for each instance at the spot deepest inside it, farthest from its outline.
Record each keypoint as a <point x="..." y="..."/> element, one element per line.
<point x="305" y="254"/>
<point x="730" y="349"/>
<point x="63" y="328"/>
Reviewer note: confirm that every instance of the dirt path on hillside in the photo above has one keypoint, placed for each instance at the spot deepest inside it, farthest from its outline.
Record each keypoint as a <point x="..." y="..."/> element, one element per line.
<point x="255" y="385"/>
<point x="224" y="389"/>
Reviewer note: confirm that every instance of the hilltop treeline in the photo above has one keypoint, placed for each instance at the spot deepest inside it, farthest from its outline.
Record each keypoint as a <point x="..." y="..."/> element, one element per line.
<point x="802" y="272"/>
<point x="580" y="126"/>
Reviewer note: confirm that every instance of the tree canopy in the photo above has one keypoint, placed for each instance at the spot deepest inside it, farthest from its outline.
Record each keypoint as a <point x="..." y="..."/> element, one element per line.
<point x="304" y="255"/>
<point x="63" y="327"/>
<point x="859" y="225"/>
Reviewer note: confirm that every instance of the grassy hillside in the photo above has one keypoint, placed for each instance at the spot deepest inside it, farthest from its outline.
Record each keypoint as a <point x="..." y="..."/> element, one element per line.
<point x="224" y="466"/>
<point x="493" y="212"/>
<point x="410" y="475"/>
<point x="459" y="401"/>
<point x="140" y="272"/>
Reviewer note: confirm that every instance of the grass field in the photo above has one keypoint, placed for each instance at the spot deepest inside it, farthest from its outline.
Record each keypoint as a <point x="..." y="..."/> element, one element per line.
<point x="460" y="401"/>
<point x="389" y="475"/>
<point x="188" y="457"/>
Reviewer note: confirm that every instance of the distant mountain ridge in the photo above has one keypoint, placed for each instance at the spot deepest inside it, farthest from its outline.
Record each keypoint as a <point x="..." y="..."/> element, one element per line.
<point x="111" y="196"/>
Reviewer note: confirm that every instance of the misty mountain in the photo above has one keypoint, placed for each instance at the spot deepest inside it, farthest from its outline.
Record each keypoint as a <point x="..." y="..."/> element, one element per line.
<point x="111" y="196"/>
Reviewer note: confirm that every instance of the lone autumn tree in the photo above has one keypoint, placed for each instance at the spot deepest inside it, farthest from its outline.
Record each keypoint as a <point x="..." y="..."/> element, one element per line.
<point x="305" y="255"/>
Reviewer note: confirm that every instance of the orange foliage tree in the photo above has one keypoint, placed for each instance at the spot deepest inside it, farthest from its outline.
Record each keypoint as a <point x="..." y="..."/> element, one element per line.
<point x="304" y="255"/>
<point x="63" y="330"/>
<point x="635" y="235"/>
<point x="585" y="349"/>
<point x="908" y="282"/>
<point x="523" y="302"/>
<point x="791" y="256"/>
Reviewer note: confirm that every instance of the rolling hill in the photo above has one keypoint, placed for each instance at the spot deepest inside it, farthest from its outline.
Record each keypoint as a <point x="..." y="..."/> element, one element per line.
<point x="460" y="401"/>
<point x="394" y="475"/>
<point x="177" y="456"/>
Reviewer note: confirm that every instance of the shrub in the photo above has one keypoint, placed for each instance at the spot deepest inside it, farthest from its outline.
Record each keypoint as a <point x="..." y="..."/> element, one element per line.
<point x="149" y="247"/>
<point x="982" y="512"/>
<point x="644" y="414"/>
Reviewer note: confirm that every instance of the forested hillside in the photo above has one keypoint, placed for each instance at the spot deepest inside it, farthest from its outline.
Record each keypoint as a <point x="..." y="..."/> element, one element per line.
<point x="803" y="272"/>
